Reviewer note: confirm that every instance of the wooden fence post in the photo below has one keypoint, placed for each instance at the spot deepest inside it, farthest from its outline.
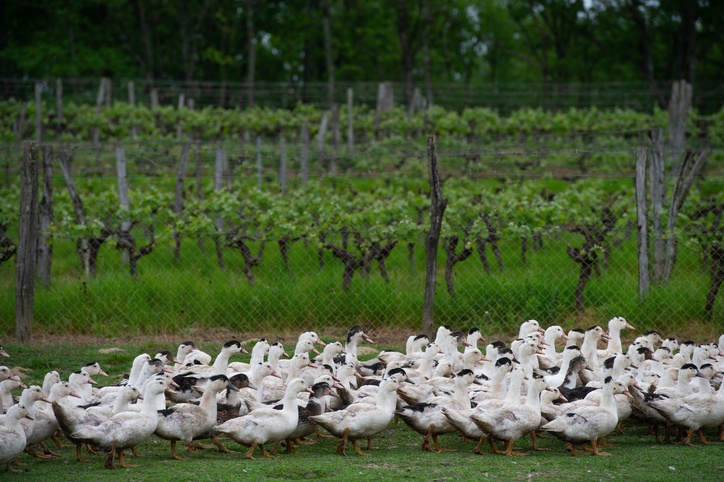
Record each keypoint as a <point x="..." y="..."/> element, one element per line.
<point x="283" y="180"/>
<point x="218" y="186"/>
<point x="305" y="154"/>
<point x="643" y="222"/>
<point x="45" y="248"/>
<point x="432" y="238"/>
<point x="27" y="243"/>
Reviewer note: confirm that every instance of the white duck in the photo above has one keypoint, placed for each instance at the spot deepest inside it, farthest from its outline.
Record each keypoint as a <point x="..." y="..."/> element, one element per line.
<point x="513" y="421"/>
<point x="12" y="435"/>
<point x="221" y="362"/>
<point x="46" y="425"/>
<point x="587" y="422"/>
<point x="428" y="418"/>
<point x="694" y="412"/>
<point x="126" y="429"/>
<point x="28" y="397"/>
<point x="615" y="326"/>
<point x="550" y="357"/>
<point x="258" y="353"/>
<point x="6" y="392"/>
<point x="187" y="421"/>
<point x="361" y="420"/>
<point x="266" y="425"/>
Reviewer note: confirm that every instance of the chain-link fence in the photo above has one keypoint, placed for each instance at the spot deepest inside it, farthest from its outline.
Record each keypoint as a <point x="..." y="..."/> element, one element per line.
<point x="241" y="247"/>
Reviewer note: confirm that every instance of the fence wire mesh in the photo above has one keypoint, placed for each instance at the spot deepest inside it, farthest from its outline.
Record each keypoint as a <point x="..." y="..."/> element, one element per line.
<point x="324" y="256"/>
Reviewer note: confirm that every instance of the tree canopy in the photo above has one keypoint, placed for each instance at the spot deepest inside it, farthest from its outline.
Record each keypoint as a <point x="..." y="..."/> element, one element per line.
<point x="549" y="41"/>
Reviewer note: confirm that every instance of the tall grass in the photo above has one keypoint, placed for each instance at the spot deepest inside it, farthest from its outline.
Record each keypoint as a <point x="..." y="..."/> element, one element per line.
<point x="195" y="294"/>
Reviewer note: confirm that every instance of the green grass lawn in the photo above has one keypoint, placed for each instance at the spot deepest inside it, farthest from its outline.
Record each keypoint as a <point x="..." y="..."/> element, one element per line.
<point x="397" y="455"/>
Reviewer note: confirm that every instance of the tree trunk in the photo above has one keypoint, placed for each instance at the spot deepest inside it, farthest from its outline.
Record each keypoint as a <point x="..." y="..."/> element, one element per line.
<point x="79" y="210"/>
<point x="27" y="243"/>
<point x="251" y="51"/>
<point x="451" y="243"/>
<point x="658" y="197"/>
<point x="432" y="238"/>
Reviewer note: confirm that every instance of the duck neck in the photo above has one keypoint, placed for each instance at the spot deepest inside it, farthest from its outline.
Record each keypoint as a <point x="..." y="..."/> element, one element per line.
<point x="532" y="399"/>
<point x="222" y="362"/>
<point x="608" y="401"/>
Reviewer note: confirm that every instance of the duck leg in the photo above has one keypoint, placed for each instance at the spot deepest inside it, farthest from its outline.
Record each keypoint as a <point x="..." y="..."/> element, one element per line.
<point x="342" y="445"/>
<point x="534" y="439"/>
<point x="594" y="446"/>
<point x="509" y="452"/>
<point x="174" y="455"/>
<point x="193" y="446"/>
<point x="110" y="462"/>
<point x="79" y="453"/>
<point x="478" y="448"/>
<point x="602" y="442"/>
<point x="250" y="453"/>
<point x="220" y="446"/>
<point x="265" y="453"/>
<point x="369" y="443"/>
<point x="493" y="447"/>
<point x="9" y="467"/>
<point x="36" y="454"/>
<point x="436" y="444"/>
<point x="357" y="449"/>
<point x="687" y="439"/>
<point x="721" y="432"/>
<point x="619" y="427"/>
<point x="573" y="450"/>
<point x="135" y="452"/>
<point x="323" y="435"/>
<point x="291" y="449"/>
<point x="426" y="441"/>
<point x="47" y="451"/>
<point x="702" y="438"/>
<point x="58" y="442"/>
<point x="123" y="463"/>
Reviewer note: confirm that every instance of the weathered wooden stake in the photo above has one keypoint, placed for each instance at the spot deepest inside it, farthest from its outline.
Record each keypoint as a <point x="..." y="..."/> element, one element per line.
<point x="45" y="248"/>
<point x="27" y="243"/>
<point x="643" y="222"/>
<point x="283" y="180"/>
<point x="432" y="237"/>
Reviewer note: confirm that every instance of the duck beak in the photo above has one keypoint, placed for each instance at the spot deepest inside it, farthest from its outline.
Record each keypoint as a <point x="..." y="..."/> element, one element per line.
<point x="171" y="391"/>
<point x="367" y="338"/>
<point x="311" y="365"/>
<point x="565" y="337"/>
<point x="232" y="387"/>
<point x="29" y="417"/>
<point x="335" y="378"/>
<point x="563" y="399"/>
<point x="92" y="382"/>
<point x="541" y="330"/>
<point x="485" y="359"/>
<point x="466" y="342"/>
<point x="275" y="374"/>
<point x="605" y="336"/>
<point x="309" y="390"/>
<point x="167" y="369"/>
<point x="22" y="385"/>
<point x="102" y="373"/>
<point x="14" y="377"/>
<point x="627" y="393"/>
<point x="74" y="394"/>
<point x="244" y="351"/>
<point x="337" y="385"/>
<point x="43" y="399"/>
<point x="4" y="353"/>
<point x="629" y="326"/>
<point x="285" y="354"/>
<point x="320" y="342"/>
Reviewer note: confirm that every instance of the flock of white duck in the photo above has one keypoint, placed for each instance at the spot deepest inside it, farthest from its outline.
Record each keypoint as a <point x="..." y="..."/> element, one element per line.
<point x="580" y="393"/>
